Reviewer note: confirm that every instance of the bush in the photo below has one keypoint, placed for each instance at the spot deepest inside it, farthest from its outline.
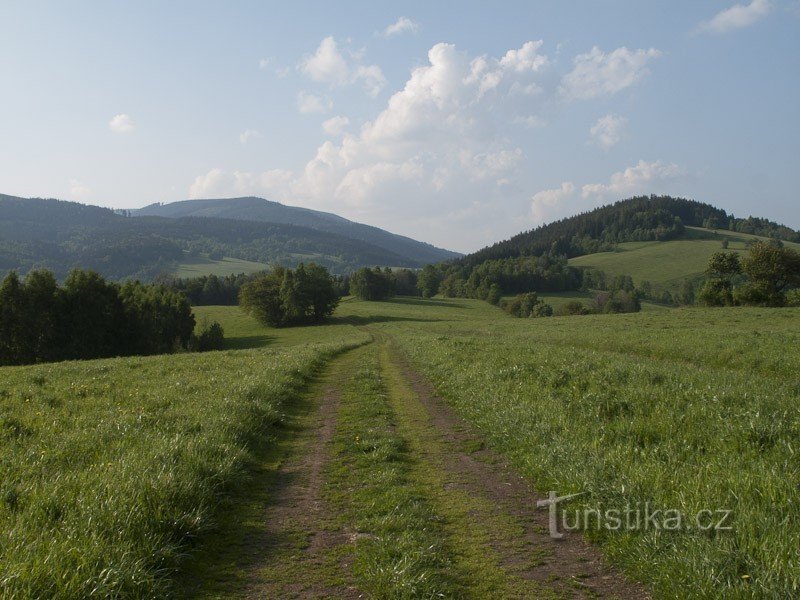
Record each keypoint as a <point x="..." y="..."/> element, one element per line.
<point x="527" y="305"/>
<point x="574" y="307"/>
<point x="210" y="337"/>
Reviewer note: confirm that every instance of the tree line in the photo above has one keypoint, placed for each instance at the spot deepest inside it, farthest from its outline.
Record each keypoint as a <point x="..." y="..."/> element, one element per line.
<point x="89" y="317"/>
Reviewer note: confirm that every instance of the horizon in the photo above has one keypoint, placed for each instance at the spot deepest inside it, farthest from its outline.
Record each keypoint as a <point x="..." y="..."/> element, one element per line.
<point x="459" y="133"/>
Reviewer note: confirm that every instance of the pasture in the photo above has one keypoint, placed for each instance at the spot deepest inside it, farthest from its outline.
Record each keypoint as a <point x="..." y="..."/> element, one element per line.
<point x="113" y="469"/>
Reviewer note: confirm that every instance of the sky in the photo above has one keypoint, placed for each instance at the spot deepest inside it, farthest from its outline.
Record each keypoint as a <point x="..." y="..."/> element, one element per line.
<point x="459" y="124"/>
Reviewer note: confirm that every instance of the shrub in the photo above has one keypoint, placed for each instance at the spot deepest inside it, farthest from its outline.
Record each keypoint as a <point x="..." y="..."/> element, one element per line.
<point x="210" y="337"/>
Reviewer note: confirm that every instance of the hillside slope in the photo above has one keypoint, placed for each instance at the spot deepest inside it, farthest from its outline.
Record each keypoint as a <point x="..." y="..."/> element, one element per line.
<point x="258" y="209"/>
<point x="61" y="235"/>
<point x="639" y="219"/>
<point x="667" y="264"/>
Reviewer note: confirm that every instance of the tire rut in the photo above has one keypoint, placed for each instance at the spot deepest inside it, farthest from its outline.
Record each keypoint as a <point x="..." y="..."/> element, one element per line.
<point x="571" y="566"/>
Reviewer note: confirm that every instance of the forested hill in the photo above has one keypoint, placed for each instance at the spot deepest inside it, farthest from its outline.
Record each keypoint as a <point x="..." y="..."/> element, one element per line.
<point x="258" y="209"/>
<point x="636" y="219"/>
<point x="60" y="235"/>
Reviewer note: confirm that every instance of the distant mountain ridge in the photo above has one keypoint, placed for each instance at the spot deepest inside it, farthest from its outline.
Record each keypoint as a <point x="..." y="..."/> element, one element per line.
<point x="251" y="208"/>
<point x="61" y="235"/>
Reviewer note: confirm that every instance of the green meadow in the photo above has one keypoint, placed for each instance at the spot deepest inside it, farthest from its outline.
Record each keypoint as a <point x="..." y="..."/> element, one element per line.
<point x="113" y="471"/>
<point x="667" y="264"/>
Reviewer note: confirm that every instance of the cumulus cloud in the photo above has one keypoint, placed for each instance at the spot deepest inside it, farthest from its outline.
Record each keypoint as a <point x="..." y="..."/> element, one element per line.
<point x="329" y="65"/>
<point x="263" y="64"/>
<point x="209" y="185"/>
<point x="78" y="190"/>
<point x="737" y="17"/>
<point x="335" y="125"/>
<point x="597" y="73"/>
<point x="547" y="202"/>
<point x="249" y="134"/>
<point x="526" y="58"/>
<point x="122" y="124"/>
<point x="441" y="139"/>
<point x="309" y="103"/>
<point x="644" y="177"/>
<point x="608" y="131"/>
<point x="402" y="25"/>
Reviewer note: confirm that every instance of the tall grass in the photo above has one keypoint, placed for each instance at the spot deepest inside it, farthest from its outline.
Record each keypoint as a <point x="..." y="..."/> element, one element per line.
<point x="686" y="410"/>
<point x="111" y="470"/>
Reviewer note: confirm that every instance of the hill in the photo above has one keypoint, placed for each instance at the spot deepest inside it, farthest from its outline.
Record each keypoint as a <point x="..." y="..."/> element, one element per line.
<point x="639" y="219"/>
<point x="60" y="235"/>
<point x="663" y="240"/>
<point x="258" y="209"/>
<point x="667" y="264"/>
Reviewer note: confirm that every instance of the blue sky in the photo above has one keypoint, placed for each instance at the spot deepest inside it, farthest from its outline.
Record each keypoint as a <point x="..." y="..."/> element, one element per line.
<point x="455" y="123"/>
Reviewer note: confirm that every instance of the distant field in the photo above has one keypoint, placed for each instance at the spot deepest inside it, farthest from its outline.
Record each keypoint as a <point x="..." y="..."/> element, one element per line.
<point x="666" y="264"/>
<point x="198" y="266"/>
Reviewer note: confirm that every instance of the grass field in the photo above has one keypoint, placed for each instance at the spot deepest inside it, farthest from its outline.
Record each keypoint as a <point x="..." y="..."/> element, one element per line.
<point x="197" y="266"/>
<point x="112" y="469"/>
<point x="666" y="264"/>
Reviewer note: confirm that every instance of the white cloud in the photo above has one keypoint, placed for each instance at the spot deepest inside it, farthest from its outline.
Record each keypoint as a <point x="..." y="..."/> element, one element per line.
<point x="328" y="65"/>
<point x="336" y="125"/>
<point x="121" y="123"/>
<point x="402" y="25"/>
<point x="644" y="177"/>
<point x="526" y="58"/>
<point x="596" y="73"/>
<point x="547" y="202"/>
<point x="77" y="190"/>
<point x="309" y="103"/>
<point x="608" y="131"/>
<point x="434" y="144"/>
<point x="263" y="64"/>
<point x="737" y="17"/>
<point x="249" y="134"/>
<point x="211" y="184"/>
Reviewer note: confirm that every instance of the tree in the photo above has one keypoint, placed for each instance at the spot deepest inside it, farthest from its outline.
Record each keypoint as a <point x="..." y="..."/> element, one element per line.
<point x="372" y="284"/>
<point x="284" y="297"/>
<point x="771" y="269"/>
<point x="261" y="298"/>
<point x="12" y="301"/>
<point x="428" y="281"/>
<point x="718" y="289"/>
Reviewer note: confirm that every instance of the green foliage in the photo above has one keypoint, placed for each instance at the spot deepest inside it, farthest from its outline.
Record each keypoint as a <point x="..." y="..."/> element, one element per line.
<point x="372" y="284"/>
<point x="88" y="317"/>
<point x="428" y="281"/>
<point x="527" y="305"/>
<point x="284" y="297"/>
<point x="546" y="273"/>
<point x="210" y="337"/>
<point x="771" y="269"/>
